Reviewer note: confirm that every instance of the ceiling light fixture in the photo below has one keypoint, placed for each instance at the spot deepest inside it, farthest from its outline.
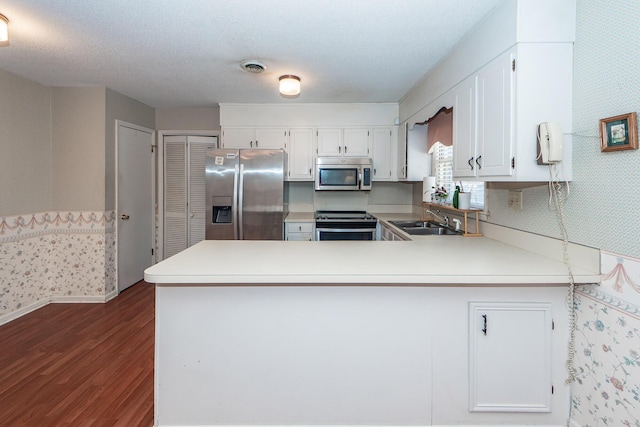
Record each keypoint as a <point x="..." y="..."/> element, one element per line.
<point x="4" y="30"/>
<point x="289" y="85"/>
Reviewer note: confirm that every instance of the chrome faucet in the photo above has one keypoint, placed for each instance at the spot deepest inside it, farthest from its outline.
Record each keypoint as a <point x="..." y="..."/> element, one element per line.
<point x="437" y="215"/>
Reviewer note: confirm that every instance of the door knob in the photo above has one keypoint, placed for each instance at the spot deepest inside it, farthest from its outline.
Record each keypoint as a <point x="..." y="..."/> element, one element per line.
<point x="124" y="217"/>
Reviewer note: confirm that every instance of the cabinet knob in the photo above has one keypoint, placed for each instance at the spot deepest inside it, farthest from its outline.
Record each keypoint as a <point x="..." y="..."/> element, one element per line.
<point x="124" y="217"/>
<point x="478" y="162"/>
<point x="470" y="163"/>
<point x="257" y="143"/>
<point x="339" y="149"/>
<point x="345" y="149"/>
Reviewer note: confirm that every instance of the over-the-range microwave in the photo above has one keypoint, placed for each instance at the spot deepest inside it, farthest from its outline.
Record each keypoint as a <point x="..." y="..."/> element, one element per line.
<point x="343" y="173"/>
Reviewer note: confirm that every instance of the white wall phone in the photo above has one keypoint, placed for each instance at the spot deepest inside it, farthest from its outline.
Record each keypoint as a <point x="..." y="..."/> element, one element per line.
<point x="550" y="143"/>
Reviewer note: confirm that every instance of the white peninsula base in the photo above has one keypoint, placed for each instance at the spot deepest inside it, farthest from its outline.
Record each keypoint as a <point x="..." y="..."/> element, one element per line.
<point x="393" y="355"/>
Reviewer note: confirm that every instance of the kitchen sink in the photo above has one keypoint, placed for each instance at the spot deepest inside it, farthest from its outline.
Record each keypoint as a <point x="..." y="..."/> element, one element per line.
<point x="425" y="228"/>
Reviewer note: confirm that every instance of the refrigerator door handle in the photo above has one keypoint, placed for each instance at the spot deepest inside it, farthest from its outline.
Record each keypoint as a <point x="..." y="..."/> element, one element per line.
<point x="240" y="203"/>
<point x="234" y="208"/>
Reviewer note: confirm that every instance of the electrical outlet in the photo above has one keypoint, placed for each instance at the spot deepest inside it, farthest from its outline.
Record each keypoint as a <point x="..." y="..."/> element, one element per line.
<point x="515" y="200"/>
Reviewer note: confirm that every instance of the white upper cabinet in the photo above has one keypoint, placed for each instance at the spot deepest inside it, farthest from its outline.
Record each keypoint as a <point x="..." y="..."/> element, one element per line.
<point x="300" y="154"/>
<point x="273" y="138"/>
<point x="402" y="151"/>
<point x="356" y="142"/>
<point x="495" y="100"/>
<point x="482" y="121"/>
<point x="242" y="137"/>
<point x="464" y="129"/>
<point x="329" y="142"/>
<point x="343" y="142"/>
<point x="497" y="111"/>
<point x="382" y="144"/>
<point x="513" y="72"/>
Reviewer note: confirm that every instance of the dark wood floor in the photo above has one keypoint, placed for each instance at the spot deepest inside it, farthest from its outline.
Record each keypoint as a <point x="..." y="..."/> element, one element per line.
<point x="80" y="364"/>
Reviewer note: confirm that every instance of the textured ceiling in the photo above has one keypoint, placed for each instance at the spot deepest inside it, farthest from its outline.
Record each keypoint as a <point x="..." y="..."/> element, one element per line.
<point x="172" y="53"/>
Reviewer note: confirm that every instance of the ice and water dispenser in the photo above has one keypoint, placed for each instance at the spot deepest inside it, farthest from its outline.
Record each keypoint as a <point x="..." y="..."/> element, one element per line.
<point x="222" y="210"/>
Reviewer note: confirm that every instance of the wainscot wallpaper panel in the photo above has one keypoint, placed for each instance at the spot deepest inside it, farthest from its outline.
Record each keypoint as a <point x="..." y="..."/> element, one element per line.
<point x="55" y="256"/>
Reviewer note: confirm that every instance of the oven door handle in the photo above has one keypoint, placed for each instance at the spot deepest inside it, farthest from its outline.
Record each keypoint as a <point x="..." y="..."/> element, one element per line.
<point x="343" y="230"/>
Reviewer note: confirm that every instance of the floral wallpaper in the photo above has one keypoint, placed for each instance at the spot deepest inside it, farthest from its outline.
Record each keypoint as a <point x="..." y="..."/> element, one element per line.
<point x="607" y="347"/>
<point x="55" y="256"/>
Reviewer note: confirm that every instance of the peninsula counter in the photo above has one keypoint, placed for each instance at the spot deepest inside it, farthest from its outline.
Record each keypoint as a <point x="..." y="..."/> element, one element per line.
<point x="361" y="333"/>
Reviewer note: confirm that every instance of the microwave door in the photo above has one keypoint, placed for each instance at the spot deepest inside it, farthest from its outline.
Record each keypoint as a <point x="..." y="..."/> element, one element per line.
<point x="335" y="178"/>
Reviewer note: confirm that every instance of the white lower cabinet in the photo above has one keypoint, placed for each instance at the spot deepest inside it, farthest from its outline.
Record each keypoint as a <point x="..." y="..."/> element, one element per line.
<point x="300" y="231"/>
<point x="394" y="355"/>
<point x="510" y="357"/>
<point x="387" y="233"/>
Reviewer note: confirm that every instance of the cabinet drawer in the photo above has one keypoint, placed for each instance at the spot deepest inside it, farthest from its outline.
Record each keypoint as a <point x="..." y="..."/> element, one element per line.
<point x="299" y="227"/>
<point x="305" y="237"/>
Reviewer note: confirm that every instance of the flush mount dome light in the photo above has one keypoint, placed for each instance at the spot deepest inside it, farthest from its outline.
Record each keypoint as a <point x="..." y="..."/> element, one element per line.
<point x="4" y="30"/>
<point x="289" y="85"/>
<point x="253" y="66"/>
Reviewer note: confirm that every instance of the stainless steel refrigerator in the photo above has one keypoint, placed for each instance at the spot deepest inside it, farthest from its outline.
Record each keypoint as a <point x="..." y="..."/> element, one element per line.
<point x="245" y="195"/>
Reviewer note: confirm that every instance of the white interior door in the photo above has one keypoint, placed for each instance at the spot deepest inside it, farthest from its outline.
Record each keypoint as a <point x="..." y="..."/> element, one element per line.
<point x="135" y="200"/>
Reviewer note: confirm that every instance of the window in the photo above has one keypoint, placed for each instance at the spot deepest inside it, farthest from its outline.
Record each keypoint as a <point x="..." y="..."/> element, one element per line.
<point x="442" y="159"/>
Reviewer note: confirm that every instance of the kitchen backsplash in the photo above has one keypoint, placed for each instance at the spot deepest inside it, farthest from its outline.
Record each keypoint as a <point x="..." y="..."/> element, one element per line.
<point x="55" y="256"/>
<point x="383" y="197"/>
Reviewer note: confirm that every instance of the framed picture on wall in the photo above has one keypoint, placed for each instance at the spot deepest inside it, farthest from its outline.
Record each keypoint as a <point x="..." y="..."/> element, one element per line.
<point x="619" y="133"/>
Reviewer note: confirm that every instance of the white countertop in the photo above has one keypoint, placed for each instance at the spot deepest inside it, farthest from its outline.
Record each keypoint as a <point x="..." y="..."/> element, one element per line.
<point x="427" y="260"/>
<point x="300" y="217"/>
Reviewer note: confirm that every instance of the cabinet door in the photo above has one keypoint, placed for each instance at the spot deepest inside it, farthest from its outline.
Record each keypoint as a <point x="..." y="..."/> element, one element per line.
<point x="495" y="89"/>
<point x="356" y="142"/>
<point x="300" y="154"/>
<point x="464" y="129"/>
<point x="329" y="142"/>
<point x="402" y="150"/>
<point x="273" y="138"/>
<point x="238" y="138"/>
<point x="510" y="357"/>
<point x="381" y="142"/>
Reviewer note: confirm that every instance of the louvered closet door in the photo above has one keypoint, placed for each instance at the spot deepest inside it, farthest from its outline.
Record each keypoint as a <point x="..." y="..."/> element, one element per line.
<point x="175" y="195"/>
<point x="198" y="146"/>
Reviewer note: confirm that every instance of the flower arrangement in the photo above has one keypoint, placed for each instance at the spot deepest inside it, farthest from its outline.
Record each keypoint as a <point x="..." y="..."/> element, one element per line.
<point x="441" y="194"/>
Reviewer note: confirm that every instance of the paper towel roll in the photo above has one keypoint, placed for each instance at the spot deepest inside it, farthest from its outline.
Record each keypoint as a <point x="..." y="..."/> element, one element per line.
<point x="428" y="188"/>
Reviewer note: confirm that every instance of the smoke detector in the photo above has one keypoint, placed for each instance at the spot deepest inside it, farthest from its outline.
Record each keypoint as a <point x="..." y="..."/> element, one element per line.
<point x="253" y="66"/>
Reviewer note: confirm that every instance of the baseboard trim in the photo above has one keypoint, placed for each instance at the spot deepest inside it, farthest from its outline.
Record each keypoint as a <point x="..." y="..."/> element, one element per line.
<point x="573" y="423"/>
<point x="111" y="295"/>
<point x="379" y="425"/>
<point x="57" y="299"/>
<point x="23" y="310"/>
<point x="79" y="299"/>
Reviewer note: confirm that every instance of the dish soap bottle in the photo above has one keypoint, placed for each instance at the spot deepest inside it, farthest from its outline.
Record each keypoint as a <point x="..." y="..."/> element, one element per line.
<point x="455" y="197"/>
